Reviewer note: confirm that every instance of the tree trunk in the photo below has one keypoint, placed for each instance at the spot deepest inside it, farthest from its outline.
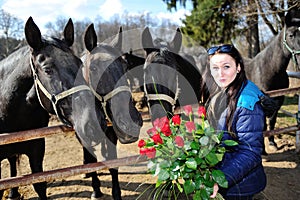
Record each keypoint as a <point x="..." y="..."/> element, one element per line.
<point x="252" y="33"/>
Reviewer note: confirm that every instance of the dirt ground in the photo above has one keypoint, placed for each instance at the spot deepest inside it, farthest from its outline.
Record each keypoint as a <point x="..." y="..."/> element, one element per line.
<point x="63" y="150"/>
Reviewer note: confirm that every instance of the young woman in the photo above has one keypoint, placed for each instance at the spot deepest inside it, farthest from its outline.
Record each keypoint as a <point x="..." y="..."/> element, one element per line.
<point x="235" y="109"/>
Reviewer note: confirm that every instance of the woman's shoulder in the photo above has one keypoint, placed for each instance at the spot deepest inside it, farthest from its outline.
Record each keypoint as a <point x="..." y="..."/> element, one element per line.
<point x="249" y="96"/>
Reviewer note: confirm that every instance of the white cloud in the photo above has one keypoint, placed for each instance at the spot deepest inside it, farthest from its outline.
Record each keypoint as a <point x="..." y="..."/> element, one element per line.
<point x="174" y="16"/>
<point x="44" y="11"/>
<point x="109" y="8"/>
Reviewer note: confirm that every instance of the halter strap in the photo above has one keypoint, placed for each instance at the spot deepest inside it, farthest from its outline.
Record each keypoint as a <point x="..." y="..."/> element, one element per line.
<point x="293" y="52"/>
<point x="105" y="98"/>
<point x="54" y="98"/>
<point x="164" y="97"/>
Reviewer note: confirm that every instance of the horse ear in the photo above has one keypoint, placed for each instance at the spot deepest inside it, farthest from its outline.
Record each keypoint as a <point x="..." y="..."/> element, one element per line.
<point x="292" y="18"/>
<point x="33" y="34"/>
<point x="69" y="33"/>
<point x="147" y="41"/>
<point x="175" y="45"/>
<point x="117" y="41"/>
<point x="90" y="38"/>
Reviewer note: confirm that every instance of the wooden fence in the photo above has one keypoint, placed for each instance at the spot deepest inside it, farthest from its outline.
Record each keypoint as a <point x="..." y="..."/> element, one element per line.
<point x="82" y="169"/>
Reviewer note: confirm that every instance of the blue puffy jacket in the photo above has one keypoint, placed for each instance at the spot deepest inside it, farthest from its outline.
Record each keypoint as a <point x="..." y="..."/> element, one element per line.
<point x="242" y="164"/>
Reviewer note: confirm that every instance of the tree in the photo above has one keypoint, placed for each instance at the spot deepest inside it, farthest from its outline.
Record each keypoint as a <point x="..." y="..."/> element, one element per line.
<point x="11" y="28"/>
<point x="223" y="21"/>
<point x="54" y="29"/>
<point x="211" y="22"/>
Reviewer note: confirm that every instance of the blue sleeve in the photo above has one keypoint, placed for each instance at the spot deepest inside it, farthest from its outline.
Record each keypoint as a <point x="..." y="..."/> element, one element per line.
<point x="247" y="155"/>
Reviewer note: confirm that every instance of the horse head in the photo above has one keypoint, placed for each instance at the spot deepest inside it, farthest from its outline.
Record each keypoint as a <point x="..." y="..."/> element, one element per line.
<point x="160" y="73"/>
<point x="59" y="83"/>
<point x="54" y="67"/>
<point x="105" y="72"/>
<point x="291" y="35"/>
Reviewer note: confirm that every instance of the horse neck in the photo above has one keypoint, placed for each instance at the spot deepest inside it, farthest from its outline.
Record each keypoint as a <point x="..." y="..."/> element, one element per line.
<point x="275" y="54"/>
<point x="191" y="73"/>
<point x="16" y="65"/>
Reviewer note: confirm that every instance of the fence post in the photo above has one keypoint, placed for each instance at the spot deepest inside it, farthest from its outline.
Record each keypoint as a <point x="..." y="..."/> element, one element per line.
<point x="298" y="124"/>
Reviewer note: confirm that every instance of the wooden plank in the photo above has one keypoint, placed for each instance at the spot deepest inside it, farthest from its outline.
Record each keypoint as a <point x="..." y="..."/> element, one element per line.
<point x="52" y="175"/>
<point x="8" y="138"/>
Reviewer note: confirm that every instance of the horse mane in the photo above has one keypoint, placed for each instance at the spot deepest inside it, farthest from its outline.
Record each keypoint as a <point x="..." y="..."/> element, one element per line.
<point x="10" y="64"/>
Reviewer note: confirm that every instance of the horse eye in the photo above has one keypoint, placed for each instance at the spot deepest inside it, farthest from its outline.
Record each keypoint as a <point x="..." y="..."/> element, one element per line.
<point x="93" y="68"/>
<point x="41" y="58"/>
<point x="291" y="35"/>
<point x="48" y="70"/>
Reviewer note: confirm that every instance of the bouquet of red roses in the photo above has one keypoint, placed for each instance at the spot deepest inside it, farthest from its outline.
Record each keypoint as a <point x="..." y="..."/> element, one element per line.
<point x="183" y="152"/>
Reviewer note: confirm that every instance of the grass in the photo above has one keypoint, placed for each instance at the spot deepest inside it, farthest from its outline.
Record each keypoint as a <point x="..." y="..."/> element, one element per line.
<point x="291" y="105"/>
<point x="283" y="120"/>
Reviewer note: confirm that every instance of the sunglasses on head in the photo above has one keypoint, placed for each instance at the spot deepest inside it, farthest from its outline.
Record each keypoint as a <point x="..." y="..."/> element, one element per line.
<point x="226" y="48"/>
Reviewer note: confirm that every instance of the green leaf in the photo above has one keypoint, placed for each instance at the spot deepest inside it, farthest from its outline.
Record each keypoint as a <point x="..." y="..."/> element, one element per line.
<point x="198" y="182"/>
<point x="179" y="187"/>
<point x="230" y="142"/>
<point x="197" y="195"/>
<point x="204" y="195"/>
<point x="187" y="170"/>
<point x="158" y="183"/>
<point x="195" y="145"/>
<point x="219" y="156"/>
<point x="219" y="177"/>
<point x="191" y="163"/>
<point x="204" y="140"/>
<point x="174" y="175"/>
<point x="164" y="164"/>
<point x="212" y="158"/>
<point x="163" y="175"/>
<point x="203" y="152"/>
<point x="215" y="138"/>
<point x="189" y="186"/>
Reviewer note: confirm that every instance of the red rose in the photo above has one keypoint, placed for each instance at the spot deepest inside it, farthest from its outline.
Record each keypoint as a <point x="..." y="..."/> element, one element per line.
<point x="176" y="120"/>
<point x="188" y="110"/>
<point x="156" y="123"/>
<point x="201" y="111"/>
<point x="190" y="126"/>
<point x="159" y="123"/>
<point x="150" y="153"/>
<point x="163" y="122"/>
<point x="179" y="141"/>
<point x="166" y="130"/>
<point x="143" y="151"/>
<point x="151" y="131"/>
<point x="157" y="139"/>
<point x="141" y="143"/>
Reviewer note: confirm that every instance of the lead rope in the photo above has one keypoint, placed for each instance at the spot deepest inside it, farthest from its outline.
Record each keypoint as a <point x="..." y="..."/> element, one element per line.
<point x="54" y="98"/>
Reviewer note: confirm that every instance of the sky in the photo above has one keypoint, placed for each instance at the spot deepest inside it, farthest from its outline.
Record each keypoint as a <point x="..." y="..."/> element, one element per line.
<point x="43" y="11"/>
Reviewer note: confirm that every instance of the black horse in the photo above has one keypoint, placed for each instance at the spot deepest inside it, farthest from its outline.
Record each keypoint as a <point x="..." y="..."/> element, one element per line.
<point x="104" y="71"/>
<point x="170" y="80"/>
<point x="268" y="68"/>
<point x="41" y="78"/>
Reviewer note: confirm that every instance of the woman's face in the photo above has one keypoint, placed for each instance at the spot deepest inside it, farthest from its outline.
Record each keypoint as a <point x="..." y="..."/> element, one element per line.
<point x="223" y="69"/>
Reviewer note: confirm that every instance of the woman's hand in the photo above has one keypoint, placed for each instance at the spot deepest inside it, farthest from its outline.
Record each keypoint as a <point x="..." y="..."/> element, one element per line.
<point x="216" y="188"/>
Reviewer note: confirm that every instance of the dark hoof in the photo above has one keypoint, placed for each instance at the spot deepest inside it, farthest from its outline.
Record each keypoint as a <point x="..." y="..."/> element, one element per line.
<point x="88" y="175"/>
<point x="15" y="198"/>
<point x="264" y="153"/>
<point x="96" y="195"/>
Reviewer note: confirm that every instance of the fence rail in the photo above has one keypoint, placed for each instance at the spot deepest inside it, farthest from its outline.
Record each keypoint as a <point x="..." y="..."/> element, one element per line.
<point x="69" y="171"/>
<point x="81" y="169"/>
